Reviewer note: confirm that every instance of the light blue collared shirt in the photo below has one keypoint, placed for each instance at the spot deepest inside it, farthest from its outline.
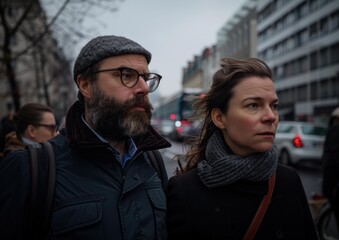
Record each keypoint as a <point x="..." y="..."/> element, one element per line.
<point x="132" y="148"/>
<point x="27" y="141"/>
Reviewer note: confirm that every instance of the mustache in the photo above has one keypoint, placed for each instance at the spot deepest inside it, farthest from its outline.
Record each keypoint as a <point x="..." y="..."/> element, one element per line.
<point x="140" y="101"/>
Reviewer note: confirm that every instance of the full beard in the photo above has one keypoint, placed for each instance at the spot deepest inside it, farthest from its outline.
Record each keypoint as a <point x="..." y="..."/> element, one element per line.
<point x="115" y="120"/>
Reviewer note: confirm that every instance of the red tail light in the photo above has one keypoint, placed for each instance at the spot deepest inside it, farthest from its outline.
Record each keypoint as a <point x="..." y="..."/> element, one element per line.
<point x="297" y="141"/>
<point x="317" y="196"/>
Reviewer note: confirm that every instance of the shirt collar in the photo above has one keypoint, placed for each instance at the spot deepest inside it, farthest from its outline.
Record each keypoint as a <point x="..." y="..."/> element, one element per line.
<point x="27" y="141"/>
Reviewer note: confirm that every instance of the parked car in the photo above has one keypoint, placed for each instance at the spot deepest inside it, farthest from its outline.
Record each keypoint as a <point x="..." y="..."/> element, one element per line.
<point x="180" y="131"/>
<point x="166" y="127"/>
<point x="300" y="142"/>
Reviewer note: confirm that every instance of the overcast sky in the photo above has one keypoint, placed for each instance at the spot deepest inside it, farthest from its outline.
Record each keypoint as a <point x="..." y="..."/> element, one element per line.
<point x="172" y="30"/>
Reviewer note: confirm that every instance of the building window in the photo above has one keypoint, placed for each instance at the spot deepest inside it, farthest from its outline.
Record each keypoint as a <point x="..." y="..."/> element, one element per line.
<point x="324" y="25"/>
<point x="269" y="53"/>
<point x="324" y="60"/>
<point x="334" y="20"/>
<point x="324" y="93"/>
<point x="289" y="69"/>
<point x="283" y="96"/>
<point x="314" y="90"/>
<point x="314" y="60"/>
<point x="313" y="5"/>
<point x="280" y="71"/>
<point x="289" y="44"/>
<point x="296" y="67"/>
<point x="303" y="64"/>
<point x="291" y="95"/>
<point x="300" y="65"/>
<point x="297" y="39"/>
<point x="301" y="10"/>
<point x="334" y="58"/>
<point x="269" y="31"/>
<point x="291" y="17"/>
<point x="303" y="36"/>
<point x="284" y="73"/>
<point x="334" y="86"/>
<point x="313" y="30"/>
<point x="302" y="93"/>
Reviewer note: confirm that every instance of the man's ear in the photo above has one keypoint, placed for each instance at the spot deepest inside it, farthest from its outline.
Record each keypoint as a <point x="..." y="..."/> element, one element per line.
<point x="218" y="118"/>
<point x="84" y="86"/>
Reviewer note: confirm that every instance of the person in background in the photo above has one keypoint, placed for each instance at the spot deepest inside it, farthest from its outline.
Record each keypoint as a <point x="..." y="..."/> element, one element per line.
<point x="233" y="162"/>
<point x="330" y="161"/>
<point x="106" y="186"/>
<point x="34" y="123"/>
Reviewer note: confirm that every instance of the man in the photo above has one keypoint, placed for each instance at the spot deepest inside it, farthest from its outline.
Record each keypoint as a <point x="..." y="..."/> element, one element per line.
<point x="105" y="185"/>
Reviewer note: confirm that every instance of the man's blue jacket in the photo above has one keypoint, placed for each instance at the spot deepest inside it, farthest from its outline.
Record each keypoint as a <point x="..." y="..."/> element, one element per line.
<point x="95" y="197"/>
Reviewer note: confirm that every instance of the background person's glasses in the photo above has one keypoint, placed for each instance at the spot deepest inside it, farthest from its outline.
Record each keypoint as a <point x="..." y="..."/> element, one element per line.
<point x="51" y="127"/>
<point x="129" y="77"/>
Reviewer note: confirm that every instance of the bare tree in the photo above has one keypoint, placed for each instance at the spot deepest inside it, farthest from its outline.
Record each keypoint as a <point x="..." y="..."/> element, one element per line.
<point x="22" y="35"/>
<point x="71" y="26"/>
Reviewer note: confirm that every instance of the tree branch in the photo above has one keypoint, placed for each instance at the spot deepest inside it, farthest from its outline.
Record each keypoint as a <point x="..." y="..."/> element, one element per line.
<point x="34" y="42"/>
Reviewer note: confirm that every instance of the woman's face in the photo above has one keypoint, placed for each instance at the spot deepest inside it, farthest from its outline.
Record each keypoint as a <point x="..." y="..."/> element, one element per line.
<point x="44" y="130"/>
<point x="250" y="123"/>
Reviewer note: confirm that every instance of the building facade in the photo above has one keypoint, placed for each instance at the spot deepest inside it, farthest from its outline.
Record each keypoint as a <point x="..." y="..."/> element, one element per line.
<point x="193" y="73"/>
<point x="299" y="40"/>
<point x="237" y="39"/>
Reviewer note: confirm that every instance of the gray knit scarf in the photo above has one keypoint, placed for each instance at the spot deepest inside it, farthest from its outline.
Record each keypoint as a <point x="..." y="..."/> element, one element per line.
<point x="222" y="167"/>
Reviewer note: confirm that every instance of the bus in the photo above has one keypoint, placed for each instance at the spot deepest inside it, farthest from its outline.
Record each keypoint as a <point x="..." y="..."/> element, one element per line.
<point x="178" y="111"/>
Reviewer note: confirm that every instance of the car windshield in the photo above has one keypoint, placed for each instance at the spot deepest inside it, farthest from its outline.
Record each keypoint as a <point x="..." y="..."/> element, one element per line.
<point x="314" y="130"/>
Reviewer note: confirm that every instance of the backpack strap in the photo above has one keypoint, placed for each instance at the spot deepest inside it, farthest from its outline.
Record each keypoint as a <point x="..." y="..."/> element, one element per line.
<point x="157" y="163"/>
<point x="43" y="177"/>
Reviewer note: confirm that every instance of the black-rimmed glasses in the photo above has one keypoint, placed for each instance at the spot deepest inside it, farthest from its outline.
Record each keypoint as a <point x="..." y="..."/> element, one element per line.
<point x="51" y="127"/>
<point x="129" y="77"/>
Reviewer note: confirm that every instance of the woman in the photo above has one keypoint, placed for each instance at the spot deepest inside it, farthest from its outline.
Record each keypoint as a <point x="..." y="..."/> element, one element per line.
<point x="34" y="123"/>
<point x="229" y="166"/>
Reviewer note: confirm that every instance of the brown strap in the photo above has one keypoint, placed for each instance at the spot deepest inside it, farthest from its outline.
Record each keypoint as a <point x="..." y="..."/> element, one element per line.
<point x="251" y="231"/>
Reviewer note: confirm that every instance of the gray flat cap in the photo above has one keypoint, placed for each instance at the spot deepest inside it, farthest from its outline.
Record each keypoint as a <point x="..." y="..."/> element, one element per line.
<point x="103" y="47"/>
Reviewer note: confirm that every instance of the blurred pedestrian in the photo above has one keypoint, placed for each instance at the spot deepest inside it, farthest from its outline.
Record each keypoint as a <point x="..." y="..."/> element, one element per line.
<point x="106" y="187"/>
<point x="232" y="168"/>
<point x="34" y="123"/>
<point x="330" y="160"/>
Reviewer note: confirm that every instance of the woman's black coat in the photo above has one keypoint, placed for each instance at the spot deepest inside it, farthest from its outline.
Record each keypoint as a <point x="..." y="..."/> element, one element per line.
<point x="196" y="212"/>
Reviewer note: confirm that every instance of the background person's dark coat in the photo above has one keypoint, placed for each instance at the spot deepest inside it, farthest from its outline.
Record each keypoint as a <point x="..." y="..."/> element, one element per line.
<point x="330" y="174"/>
<point x="196" y="212"/>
